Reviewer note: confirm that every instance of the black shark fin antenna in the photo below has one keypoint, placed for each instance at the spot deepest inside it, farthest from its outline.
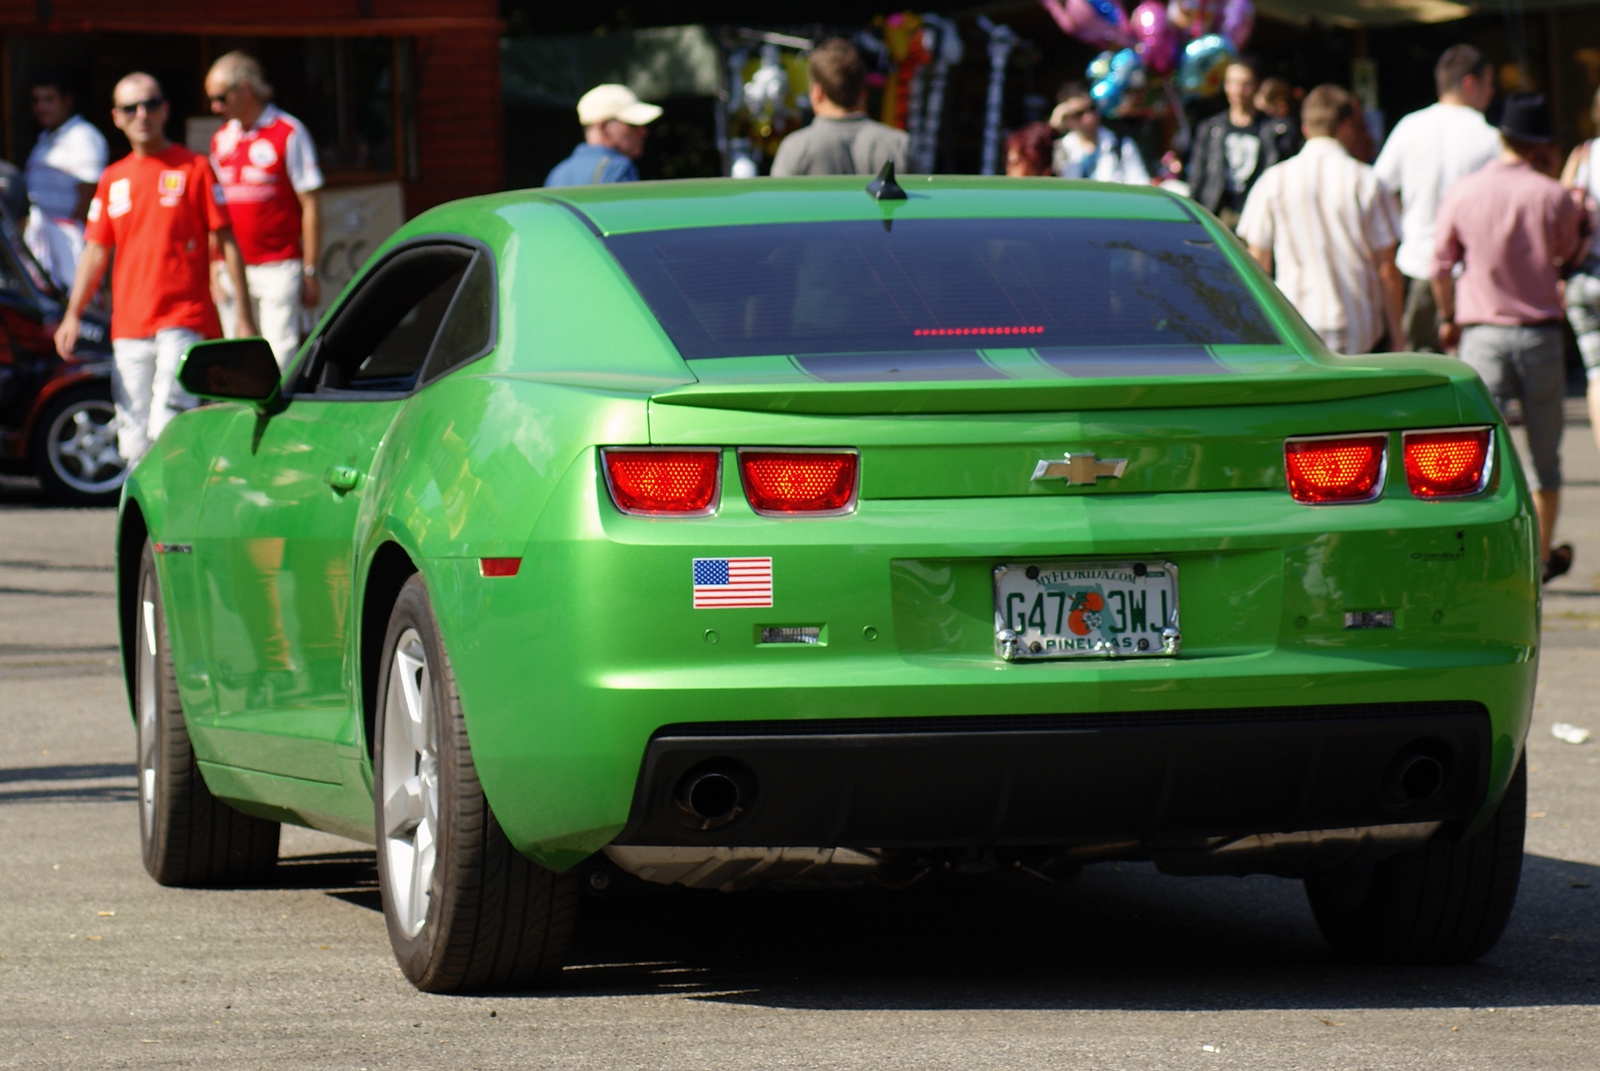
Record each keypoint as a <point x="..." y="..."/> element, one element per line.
<point x="884" y="187"/>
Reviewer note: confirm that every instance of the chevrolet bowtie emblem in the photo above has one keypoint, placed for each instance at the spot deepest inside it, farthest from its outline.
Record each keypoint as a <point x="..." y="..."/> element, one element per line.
<point x="1080" y="468"/>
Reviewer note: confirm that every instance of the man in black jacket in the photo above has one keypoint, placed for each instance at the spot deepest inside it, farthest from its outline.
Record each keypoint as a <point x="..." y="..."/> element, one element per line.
<point x="1232" y="148"/>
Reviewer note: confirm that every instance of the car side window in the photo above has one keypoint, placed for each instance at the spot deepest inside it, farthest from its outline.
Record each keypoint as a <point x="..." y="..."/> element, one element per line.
<point x="468" y="329"/>
<point x="382" y="336"/>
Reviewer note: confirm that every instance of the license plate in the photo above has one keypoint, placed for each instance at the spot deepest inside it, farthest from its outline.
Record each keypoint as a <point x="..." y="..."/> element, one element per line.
<point x="1086" y="610"/>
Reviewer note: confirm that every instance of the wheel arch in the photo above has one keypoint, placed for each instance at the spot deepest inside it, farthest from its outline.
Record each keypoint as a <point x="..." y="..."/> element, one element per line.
<point x="132" y="531"/>
<point x="59" y="384"/>
<point x="388" y="572"/>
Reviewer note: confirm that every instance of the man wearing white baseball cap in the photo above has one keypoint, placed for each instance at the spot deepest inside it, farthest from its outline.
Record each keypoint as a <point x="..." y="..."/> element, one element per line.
<point x="615" y="125"/>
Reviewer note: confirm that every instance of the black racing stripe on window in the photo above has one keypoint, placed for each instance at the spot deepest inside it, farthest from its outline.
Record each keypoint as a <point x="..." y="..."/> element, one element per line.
<point x="892" y="367"/>
<point x="1134" y="361"/>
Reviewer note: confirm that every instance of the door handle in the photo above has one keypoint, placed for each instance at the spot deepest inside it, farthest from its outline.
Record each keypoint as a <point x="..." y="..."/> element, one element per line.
<point x="342" y="477"/>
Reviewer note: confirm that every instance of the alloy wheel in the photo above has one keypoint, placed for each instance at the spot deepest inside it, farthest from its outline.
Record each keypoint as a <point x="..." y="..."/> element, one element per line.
<point x="145" y="678"/>
<point x="82" y="447"/>
<point x="410" y="781"/>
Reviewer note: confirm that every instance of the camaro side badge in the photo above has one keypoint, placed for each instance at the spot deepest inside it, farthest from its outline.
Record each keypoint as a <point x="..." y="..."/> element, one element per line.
<point x="1080" y="468"/>
<point x="721" y="583"/>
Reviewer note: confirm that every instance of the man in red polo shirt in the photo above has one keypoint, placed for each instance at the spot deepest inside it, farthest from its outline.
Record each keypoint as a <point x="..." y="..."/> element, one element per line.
<point x="158" y="208"/>
<point x="267" y="166"/>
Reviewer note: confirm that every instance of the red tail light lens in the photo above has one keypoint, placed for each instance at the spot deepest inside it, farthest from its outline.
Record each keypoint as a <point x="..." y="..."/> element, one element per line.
<point x="1444" y="464"/>
<point x="784" y="483"/>
<point x="654" y="483"/>
<point x="1346" y="469"/>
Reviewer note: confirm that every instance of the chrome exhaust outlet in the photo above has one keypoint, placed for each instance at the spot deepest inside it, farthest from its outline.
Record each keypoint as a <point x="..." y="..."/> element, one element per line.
<point x="1417" y="774"/>
<point x="713" y="794"/>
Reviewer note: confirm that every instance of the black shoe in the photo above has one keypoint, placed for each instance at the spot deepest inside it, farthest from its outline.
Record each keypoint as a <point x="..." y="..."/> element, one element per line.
<point x="1558" y="563"/>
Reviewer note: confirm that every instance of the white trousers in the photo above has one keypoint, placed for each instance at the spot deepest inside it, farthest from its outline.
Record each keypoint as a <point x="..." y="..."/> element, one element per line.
<point x="56" y="243"/>
<point x="144" y="386"/>
<point x="275" y="297"/>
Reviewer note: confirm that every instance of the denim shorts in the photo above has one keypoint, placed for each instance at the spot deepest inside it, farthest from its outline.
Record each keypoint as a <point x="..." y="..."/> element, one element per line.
<point x="1525" y="363"/>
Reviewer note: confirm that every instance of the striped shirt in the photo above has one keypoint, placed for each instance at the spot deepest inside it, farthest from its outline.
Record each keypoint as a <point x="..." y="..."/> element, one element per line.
<point x="1326" y="217"/>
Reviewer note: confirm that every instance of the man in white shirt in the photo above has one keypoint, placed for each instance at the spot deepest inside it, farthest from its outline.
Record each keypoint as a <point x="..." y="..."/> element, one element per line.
<point x="267" y="167"/>
<point x="1089" y="150"/>
<point x="61" y="175"/>
<point x="1329" y="228"/>
<point x="1425" y="154"/>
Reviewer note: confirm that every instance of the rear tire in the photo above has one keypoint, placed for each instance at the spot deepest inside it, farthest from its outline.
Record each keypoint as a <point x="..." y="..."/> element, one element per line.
<point x="74" y="448"/>
<point x="1446" y="901"/>
<point x="189" y="837"/>
<point x="466" y="912"/>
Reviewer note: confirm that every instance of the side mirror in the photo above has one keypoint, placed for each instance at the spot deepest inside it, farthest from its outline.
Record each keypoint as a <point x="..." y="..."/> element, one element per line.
<point x="231" y="369"/>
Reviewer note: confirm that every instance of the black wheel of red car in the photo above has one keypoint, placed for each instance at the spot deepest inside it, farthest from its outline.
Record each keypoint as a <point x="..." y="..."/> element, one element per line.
<point x="1446" y="901"/>
<point x="189" y="836"/>
<point x="466" y="912"/>
<point x="74" y="448"/>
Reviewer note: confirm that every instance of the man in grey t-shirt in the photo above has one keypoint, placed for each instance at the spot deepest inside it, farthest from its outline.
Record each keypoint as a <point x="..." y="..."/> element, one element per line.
<point x="841" y="140"/>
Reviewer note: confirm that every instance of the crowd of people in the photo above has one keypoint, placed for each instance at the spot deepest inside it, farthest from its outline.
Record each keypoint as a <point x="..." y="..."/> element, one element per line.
<point x="198" y="246"/>
<point x="1458" y="237"/>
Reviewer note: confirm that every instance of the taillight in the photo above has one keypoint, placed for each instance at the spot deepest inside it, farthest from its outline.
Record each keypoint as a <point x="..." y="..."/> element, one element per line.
<point x="787" y="483"/>
<point x="1335" y="469"/>
<point x="1444" y="464"/>
<point x="656" y="483"/>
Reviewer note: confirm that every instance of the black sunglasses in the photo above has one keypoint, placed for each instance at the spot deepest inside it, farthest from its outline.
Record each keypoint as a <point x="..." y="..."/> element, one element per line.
<point x="220" y="98"/>
<point x="130" y="110"/>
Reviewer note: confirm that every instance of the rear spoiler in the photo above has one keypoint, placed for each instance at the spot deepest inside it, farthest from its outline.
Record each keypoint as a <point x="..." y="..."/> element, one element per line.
<point x="1022" y="396"/>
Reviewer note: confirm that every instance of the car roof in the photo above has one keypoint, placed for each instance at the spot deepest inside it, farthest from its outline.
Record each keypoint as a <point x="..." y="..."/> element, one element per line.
<point x="629" y="207"/>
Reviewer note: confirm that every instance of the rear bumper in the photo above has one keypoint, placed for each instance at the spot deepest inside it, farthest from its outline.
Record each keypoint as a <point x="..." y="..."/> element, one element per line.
<point x="1062" y="779"/>
<point x="570" y="672"/>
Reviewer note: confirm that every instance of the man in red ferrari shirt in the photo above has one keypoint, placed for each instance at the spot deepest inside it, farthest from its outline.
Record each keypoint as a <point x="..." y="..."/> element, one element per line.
<point x="158" y="207"/>
<point x="267" y="166"/>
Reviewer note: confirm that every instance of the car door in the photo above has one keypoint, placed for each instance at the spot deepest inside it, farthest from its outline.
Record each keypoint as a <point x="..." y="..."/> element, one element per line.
<point x="277" y="535"/>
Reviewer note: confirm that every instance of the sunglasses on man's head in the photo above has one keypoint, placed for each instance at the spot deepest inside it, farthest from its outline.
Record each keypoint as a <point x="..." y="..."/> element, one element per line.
<point x="130" y="110"/>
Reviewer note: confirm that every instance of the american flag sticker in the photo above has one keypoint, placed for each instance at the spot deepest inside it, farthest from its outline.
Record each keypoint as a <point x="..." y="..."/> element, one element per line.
<point x="731" y="582"/>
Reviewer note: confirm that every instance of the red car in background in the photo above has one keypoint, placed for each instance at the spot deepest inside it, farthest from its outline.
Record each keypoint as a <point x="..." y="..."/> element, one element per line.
<point x="56" y="417"/>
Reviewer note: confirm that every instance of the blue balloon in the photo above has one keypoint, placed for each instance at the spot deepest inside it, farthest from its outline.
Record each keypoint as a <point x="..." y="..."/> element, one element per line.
<point x="1205" y="61"/>
<point x="1099" y="67"/>
<point x="1108" y="91"/>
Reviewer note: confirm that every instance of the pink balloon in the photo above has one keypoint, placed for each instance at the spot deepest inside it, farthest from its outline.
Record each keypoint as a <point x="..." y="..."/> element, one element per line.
<point x="1157" y="42"/>
<point x="1083" y="20"/>
<point x="1238" y="20"/>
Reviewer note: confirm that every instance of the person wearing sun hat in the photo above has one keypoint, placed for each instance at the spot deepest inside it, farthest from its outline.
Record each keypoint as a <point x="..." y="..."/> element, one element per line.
<point x="1515" y="231"/>
<point x="615" y="124"/>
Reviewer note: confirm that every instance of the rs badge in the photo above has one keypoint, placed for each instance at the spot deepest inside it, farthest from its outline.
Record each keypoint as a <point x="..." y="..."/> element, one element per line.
<point x="1080" y="468"/>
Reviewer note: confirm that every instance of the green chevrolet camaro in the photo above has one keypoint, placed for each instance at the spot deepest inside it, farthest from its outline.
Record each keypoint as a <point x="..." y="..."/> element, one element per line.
<point x="806" y="532"/>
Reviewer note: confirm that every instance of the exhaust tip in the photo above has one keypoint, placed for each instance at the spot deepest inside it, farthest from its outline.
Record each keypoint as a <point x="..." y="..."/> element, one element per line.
<point x="713" y="794"/>
<point x="1417" y="774"/>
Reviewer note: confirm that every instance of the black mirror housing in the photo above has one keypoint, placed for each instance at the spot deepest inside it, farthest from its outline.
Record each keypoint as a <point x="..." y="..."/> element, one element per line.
<point x="231" y="369"/>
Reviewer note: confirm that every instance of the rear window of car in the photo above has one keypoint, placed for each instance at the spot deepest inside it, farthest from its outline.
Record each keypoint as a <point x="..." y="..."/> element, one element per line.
<point x="926" y="290"/>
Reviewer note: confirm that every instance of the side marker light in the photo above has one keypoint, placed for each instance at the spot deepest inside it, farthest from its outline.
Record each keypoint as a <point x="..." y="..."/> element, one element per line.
<point x="499" y="566"/>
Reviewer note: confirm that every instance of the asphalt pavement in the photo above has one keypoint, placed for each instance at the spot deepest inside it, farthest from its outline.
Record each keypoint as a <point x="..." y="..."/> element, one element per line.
<point x="1126" y="968"/>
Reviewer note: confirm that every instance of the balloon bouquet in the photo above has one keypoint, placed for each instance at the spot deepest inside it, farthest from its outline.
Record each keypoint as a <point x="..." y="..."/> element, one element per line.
<point x="1166" y="52"/>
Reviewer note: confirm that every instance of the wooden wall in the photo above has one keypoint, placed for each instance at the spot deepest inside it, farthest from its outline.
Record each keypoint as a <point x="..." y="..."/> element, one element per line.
<point x="455" y="74"/>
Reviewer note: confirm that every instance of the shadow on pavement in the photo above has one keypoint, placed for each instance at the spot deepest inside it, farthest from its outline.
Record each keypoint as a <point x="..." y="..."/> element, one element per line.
<point x="124" y="788"/>
<point x="1122" y="937"/>
<point x="348" y="876"/>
